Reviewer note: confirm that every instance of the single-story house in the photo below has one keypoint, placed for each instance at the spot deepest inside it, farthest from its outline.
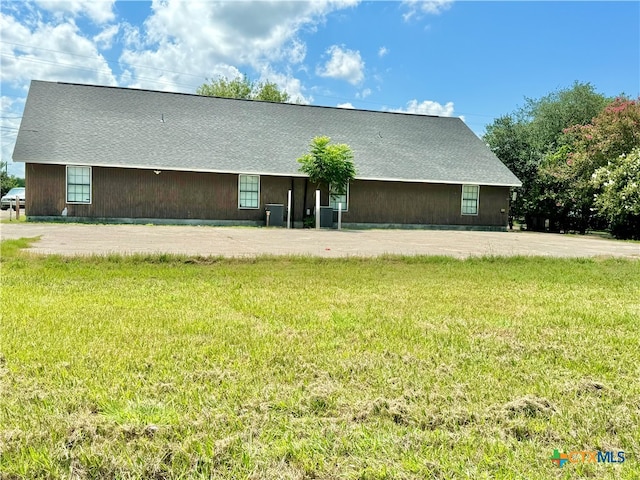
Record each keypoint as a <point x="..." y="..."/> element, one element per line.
<point x="96" y="153"/>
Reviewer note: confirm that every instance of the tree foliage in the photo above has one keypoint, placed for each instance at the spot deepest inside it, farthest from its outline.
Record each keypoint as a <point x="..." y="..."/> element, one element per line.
<point x="243" y="88"/>
<point x="556" y="145"/>
<point x="508" y="137"/>
<point x="532" y="142"/>
<point x="618" y="200"/>
<point x="613" y="132"/>
<point x="550" y="115"/>
<point x="7" y="182"/>
<point x="329" y="164"/>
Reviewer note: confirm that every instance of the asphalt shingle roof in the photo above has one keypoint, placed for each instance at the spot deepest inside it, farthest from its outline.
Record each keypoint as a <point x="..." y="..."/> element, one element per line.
<point x="118" y="127"/>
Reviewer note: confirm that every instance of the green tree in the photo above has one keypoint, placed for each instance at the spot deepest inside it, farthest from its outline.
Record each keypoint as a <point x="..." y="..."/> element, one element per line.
<point x="527" y="140"/>
<point x="7" y="182"/>
<point x="243" y="88"/>
<point x="618" y="200"/>
<point x="611" y="133"/>
<point x="508" y="138"/>
<point x="269" y="92"/>
<point x="615" y="131"/>
<point x="550" y="115"/>
<point x="329" y="165"/>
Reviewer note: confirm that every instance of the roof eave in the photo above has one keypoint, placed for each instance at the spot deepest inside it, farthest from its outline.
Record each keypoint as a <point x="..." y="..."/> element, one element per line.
<point x="278" y="174"/>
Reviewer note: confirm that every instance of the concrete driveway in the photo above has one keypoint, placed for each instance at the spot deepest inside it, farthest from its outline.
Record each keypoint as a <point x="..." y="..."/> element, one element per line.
<point x="74" y="239"/>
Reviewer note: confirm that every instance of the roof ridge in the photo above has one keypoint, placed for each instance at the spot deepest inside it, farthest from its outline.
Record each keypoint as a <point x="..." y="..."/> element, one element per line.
<point x="117" y="87"/>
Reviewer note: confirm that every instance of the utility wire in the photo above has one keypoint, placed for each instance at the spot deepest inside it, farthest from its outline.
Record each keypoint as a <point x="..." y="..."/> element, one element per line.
<point x="184" y="85"/>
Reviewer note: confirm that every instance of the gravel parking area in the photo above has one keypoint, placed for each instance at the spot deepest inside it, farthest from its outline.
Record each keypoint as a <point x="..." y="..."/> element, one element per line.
<point x="82" y="239"/>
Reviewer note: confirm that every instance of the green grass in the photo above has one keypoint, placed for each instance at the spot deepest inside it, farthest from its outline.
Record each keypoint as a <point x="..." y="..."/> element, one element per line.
<point x="22" y="219"/>
<point x="419" y="367"/>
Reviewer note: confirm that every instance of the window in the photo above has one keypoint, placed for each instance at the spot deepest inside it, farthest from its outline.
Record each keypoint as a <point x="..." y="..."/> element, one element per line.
<point x="336" y="198"/>
<point x="248" y="191"/>
<point x="470" y="196"/>
<point x="78" y="184"/>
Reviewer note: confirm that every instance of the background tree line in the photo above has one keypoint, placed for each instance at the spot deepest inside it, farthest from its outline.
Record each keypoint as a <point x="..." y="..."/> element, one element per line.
<point x="243" y="88"/>
<point x="7" y="182"/>
<point x="577" y="154"/>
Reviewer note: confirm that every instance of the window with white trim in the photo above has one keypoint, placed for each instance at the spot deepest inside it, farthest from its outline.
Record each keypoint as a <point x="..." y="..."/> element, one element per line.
<point x="470" y="199"/>
<point x="249" y="191"/>
<point x="78" y="184"/>
<point x="337" y="198"/>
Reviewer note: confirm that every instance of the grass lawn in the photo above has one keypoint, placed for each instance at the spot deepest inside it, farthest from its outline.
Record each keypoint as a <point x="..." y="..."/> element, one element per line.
<point x="424" y="367"/>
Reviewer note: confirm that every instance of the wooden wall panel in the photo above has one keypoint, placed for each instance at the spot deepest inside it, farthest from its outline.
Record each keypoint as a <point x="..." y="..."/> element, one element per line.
<point x="137" y="193"/>
<point x="45" y="189"/>
<point x="422" y="204"/>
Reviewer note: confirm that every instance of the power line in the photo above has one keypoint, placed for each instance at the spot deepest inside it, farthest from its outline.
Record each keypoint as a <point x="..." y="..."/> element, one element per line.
<point x="176" y="84"/>
<point x="95" y="70"/>
<point x="109" y="61"/>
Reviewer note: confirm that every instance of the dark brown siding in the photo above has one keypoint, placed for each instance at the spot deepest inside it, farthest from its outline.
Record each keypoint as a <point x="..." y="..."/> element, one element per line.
<point x="422" y="204"/>
<point x="45" y="189"/>
<point x="135" y="193"/>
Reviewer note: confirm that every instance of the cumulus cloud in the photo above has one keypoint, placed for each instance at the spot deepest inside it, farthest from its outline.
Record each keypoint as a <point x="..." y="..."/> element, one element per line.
<point x="42" y="41"/>
<point x="9" y="125"/>
<point x="99" y="11"/>
<point x="383" y="51"/>
<point x="343" y="64"/>
<point x="46" y="51"/>
<point x="297" y="52"/>
<point x="418" y="8"/>
<point x="105" y="38"/>
<point x="427" y="107"/>
<point x="192" y="41"/>
<point x="287" y="83"/>
<point x="364" y="93"/>
<point x="345" y="105"/>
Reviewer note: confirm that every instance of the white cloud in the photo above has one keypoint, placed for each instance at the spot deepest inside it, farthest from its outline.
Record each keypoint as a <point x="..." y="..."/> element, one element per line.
<point x="192" y="41"/>
<point x="383" y="51"/>
<point x="345" y="105"/>
<point x="344" y="64"/>
<point x="34" y="50"/>
<point x="364" y="93"/>
<point x="287" y="83"/>
<point x="54" y="52"/>
<point x="99" y="11"/>
<point x="10" y="122"/>
<point x="418" y="8"/>
<point x="297" y="52"/>
<point x="427" y="107"/>
<point x="131" y="36"/>
<point x="105" y="38"/>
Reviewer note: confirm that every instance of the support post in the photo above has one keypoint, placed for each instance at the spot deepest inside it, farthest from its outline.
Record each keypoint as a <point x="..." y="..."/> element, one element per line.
<point x="317" y="209"/>
<point x="339" y="216"/>
<point x="289" y="209"/>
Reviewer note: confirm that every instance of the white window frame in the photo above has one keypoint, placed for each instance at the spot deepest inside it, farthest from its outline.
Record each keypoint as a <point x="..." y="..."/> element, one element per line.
<point x="477" y="199"/>
<point x="66" y="181"/>
<point x="345" y="206"/>
<point x="240" y="206"/>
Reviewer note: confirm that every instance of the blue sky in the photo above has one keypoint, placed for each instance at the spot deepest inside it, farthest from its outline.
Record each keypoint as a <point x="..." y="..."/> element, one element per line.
<point x="477" y="60"/>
